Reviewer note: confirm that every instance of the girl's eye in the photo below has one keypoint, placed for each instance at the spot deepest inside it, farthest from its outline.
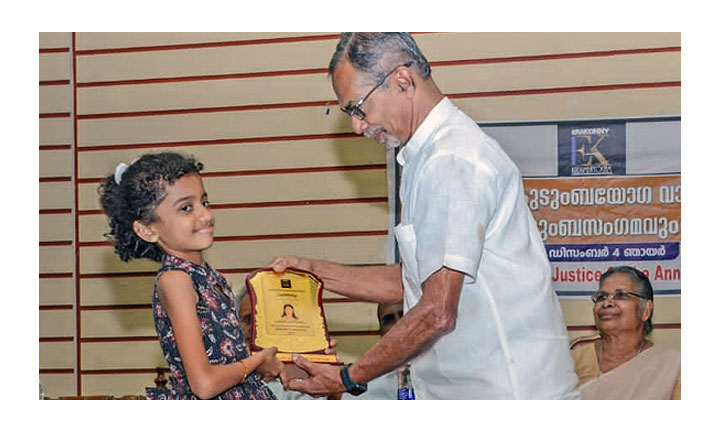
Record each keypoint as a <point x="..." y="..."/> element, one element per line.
<point x="206" y="203"/>
<point x="186" y="208"/>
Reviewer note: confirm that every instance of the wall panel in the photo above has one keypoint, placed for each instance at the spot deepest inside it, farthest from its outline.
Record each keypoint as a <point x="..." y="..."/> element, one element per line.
<point x="283" y="170"/>
<point x="57" y="291"/>
<point x="55" y="131"/>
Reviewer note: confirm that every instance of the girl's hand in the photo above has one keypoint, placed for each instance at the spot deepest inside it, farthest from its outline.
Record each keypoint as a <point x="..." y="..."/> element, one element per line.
<point x="331" y="348"/>
<point x="270" y="366"/>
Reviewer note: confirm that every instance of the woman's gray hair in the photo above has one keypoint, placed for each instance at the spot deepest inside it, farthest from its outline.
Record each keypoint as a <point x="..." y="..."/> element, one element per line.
<point x="375" y="54"/>
<point x="642" y="287"/>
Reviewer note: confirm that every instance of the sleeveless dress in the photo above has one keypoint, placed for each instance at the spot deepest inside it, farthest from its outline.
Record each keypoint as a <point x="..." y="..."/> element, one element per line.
<point x="222" y="335"/>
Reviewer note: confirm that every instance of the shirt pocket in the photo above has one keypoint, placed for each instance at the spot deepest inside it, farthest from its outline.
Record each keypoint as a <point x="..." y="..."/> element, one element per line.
<point x="407" y="244"/>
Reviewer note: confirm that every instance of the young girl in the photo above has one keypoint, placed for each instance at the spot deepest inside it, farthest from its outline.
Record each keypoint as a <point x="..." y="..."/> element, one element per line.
<point x="158" y="209"/>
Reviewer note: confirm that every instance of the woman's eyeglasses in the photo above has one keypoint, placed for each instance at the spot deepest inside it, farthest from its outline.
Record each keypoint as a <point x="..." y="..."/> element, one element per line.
<point x="619" y="295"/>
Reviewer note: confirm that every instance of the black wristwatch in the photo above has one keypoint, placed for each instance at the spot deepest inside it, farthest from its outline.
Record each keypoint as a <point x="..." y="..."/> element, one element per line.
<point x="351" y="386"/>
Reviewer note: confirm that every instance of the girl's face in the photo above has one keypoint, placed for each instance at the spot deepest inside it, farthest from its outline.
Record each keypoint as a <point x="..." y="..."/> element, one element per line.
<point x="184" y="225"/>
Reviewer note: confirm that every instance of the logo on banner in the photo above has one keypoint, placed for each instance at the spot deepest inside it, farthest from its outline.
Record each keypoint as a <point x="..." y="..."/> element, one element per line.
<point x="591" y="149"/>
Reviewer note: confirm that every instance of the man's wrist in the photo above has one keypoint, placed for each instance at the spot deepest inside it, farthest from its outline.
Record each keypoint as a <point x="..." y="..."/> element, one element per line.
<point x="352" y="387"/>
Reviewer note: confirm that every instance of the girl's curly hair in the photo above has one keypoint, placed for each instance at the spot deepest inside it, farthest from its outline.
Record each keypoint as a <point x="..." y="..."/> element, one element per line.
<point x="141" y="189"/>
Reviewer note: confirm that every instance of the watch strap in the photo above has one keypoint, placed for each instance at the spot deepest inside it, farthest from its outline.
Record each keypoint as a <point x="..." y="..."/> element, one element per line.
<point x="351" y="386"/>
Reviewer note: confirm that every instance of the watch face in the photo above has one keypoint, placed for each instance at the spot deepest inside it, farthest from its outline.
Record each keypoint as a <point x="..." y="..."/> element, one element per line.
<point x="357" y="390"/>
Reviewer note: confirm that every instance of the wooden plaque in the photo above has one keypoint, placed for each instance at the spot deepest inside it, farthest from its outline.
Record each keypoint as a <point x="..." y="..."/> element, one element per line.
<point x="287" y="313"/>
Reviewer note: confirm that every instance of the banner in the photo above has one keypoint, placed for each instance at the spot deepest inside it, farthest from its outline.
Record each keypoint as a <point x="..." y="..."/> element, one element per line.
<point x="597" y="213"/>
<point x="589" y="224"/>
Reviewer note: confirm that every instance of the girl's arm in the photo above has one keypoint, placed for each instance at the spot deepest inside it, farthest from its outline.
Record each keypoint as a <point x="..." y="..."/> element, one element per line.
<point x="179" y="300"/>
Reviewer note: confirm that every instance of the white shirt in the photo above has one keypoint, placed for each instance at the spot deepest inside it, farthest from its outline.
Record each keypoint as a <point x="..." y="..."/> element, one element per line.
<point x="463" y="207"/>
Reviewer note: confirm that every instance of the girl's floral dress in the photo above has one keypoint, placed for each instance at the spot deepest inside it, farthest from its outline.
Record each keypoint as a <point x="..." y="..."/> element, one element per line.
<point x="222" y="335"/>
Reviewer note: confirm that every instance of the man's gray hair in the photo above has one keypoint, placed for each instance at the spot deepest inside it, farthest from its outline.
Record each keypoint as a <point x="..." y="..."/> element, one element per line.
<point x="375" y="54"/>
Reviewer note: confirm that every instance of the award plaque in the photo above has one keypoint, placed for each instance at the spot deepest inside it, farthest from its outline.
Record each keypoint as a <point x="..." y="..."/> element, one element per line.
<point x="287" y="313"/>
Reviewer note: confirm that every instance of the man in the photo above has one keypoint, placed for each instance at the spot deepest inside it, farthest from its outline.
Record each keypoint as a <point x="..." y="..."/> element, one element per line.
<point x="481" y="319"/>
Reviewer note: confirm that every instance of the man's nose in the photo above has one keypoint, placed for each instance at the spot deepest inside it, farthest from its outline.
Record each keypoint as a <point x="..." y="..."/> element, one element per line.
<point x="358" y="126"/>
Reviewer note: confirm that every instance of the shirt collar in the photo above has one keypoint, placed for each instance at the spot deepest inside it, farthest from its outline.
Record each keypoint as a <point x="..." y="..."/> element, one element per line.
<point x="435" y="117"/>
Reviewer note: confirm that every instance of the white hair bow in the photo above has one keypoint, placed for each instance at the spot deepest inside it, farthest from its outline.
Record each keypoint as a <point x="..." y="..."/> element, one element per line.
<point x="120" y="170"/>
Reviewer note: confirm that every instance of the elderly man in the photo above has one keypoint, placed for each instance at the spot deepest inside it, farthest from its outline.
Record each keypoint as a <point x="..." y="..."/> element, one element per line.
<point x="481" y="319"/>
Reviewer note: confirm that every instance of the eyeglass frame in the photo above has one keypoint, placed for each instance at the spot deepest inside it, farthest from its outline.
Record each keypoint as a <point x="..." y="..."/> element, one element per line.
<point x="595" y="300"/>
<point x="353" y="110"/>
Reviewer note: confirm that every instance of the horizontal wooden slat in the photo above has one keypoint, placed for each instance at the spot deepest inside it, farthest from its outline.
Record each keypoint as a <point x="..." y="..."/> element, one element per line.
<point x="56" y="355"/>
<point x="48" y="40"/>
<point x="549" y="74"/>
<point x="210" y="126"/>
<point x="54" y="227"/>
<point x="211" y="61"/>
<point x="203" y="94"/>
<point x="116" y="291"/>
<point x="457" y="46"/>
<point x="56" y="195"/>
<point x="57" y="323"/>
<point x="56" y="163"/>
<point x="55" y="131"/>
<point x="670" y="338"/>
<point x="251" y="254"/>
<point x="573" y="106"/>
<point x="351" y="317"/>
<point x="328" y="152"/>
<point x="58" y="384"/>
<point x="121" y="355"/>
<point x="58" y="291"/>
<point x="56" y="259"/>
<point x="118" y="385"/>
<point x="365" y="183"/>
<point x="350" y="348"/>
<point x="55" y="99"/>
<point x="109" y="40"/>
<point x="117" y="323"/>
<point x="55" y="66"/>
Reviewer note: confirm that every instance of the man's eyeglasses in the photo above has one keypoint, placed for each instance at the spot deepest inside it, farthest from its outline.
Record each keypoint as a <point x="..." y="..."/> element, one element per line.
<point x="620" y="295"/>
<point x="353" y="110"/>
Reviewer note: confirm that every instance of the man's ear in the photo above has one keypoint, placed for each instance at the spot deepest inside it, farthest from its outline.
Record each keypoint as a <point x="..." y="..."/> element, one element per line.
<point x="405" y="81"/>
<point x="145" y="232"/>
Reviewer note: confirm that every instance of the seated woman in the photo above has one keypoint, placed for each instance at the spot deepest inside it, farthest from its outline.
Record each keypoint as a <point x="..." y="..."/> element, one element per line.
<point x="620" y="362"/>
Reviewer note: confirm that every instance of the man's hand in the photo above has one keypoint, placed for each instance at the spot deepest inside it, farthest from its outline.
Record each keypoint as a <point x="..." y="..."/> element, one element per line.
<point x="323" y="380"/>
<point x="279" y="264"/>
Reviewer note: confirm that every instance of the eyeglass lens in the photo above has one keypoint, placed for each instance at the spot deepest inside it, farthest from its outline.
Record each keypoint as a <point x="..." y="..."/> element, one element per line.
<point x="620" y="295"/>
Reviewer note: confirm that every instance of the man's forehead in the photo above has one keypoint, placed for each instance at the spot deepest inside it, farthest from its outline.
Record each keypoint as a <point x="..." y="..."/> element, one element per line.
<point x="346" y="80"/>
